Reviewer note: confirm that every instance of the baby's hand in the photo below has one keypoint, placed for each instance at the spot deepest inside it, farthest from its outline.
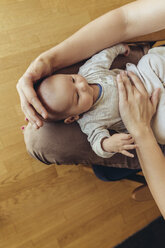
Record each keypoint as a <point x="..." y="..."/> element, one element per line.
<point x="127" y="50"/>
<point x="119" y="143"/>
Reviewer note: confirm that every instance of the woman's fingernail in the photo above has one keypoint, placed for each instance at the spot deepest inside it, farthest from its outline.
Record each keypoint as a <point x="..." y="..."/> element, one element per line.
<point x="22" y="127"/>
<point x="43" y="115"/>
<point x="26" y="119"/>
<point x="118" y="77"/>
<point x="38" y="123"/>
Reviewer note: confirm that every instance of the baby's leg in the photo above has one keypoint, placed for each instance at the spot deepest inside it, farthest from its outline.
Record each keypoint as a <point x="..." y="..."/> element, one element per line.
<point x="158" y="61"/>
<point x="158" y="122"/>
<point x="152" y="68"/>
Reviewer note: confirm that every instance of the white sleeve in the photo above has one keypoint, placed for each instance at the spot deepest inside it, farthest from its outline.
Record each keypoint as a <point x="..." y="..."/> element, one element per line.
<point x="101" y="60"/>
<point x="96" y="140"/>
<point x="95" y="135"/>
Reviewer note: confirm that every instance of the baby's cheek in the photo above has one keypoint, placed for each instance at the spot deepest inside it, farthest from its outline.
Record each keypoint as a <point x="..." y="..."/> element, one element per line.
<point x="89" y="103"/>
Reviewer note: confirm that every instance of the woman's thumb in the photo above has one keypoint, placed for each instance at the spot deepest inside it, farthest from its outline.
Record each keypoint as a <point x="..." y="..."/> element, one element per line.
<point x="155" y="98"/>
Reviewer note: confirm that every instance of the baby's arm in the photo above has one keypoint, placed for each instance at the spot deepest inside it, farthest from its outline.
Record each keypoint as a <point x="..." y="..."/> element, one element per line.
<point x="104" y="59"/>
<point x="102" y="143"/>
<point x="120" y="142"/>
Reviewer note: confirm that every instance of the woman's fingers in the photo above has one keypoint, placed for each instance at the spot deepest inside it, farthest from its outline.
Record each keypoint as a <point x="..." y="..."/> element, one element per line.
<point x="135" y="105"/>
<point x="30" y="103"/>
<point x="27" y="109"/>
<point x="127" y="83"/>
<point x="121" y="89"/>
<point x="125" y="88"/>
<point x="32" y="116"/>
<point x="26" y="86"/>
<point x="137" y="82"/>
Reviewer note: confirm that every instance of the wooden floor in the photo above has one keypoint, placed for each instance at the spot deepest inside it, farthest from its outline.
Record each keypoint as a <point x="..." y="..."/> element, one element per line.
<point x="53" y="206"/>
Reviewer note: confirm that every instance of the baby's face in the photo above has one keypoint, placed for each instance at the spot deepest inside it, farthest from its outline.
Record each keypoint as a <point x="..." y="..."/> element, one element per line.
<point x="69" y="93"/>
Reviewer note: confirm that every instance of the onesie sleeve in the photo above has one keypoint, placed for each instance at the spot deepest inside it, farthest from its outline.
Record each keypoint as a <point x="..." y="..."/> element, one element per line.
<point x="96" y="140"/>
<point x="101" y="60"/>
<point x="95" y="135"/>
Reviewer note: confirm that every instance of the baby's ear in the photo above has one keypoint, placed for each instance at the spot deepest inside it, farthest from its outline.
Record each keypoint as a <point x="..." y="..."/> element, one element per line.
<point x="71" y="119"/>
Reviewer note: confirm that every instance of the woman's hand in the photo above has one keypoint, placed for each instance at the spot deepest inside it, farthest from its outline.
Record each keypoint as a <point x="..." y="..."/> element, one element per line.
<point x="30" y="103"/>
<point x="135" y="105"/>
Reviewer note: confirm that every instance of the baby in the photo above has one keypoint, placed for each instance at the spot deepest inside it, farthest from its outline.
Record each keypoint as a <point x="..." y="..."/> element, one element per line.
<point x="91" y="98"/>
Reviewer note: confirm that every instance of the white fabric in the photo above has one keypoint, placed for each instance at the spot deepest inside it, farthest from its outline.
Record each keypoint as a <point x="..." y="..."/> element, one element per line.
<point x="151" y="69"/>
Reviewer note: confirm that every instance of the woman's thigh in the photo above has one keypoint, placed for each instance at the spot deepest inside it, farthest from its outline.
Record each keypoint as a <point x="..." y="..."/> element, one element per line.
<point x="58" y="143"/>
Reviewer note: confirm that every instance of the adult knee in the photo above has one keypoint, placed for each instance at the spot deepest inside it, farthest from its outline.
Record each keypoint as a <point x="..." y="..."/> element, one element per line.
<point x="36" y="144"/>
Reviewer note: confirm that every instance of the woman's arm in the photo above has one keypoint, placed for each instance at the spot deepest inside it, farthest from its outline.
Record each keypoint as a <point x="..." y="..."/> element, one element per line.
<point x="152" y="162"/>
<point x="136" y="110"/>
<point x="131" y="20"/>
<point x="138" y="18"/>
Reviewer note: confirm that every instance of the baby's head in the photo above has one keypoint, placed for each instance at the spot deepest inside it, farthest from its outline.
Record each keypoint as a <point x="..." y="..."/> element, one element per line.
<point x="65" y="96"/>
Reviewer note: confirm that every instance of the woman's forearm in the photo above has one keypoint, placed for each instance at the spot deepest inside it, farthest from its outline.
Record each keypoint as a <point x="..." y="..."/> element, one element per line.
<point x="91" y="38"/>
<point x="129" y="21"/>
<point x="152" y="162"/>
<point x="137" y="109"/>
<point x="95" y="36"/>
